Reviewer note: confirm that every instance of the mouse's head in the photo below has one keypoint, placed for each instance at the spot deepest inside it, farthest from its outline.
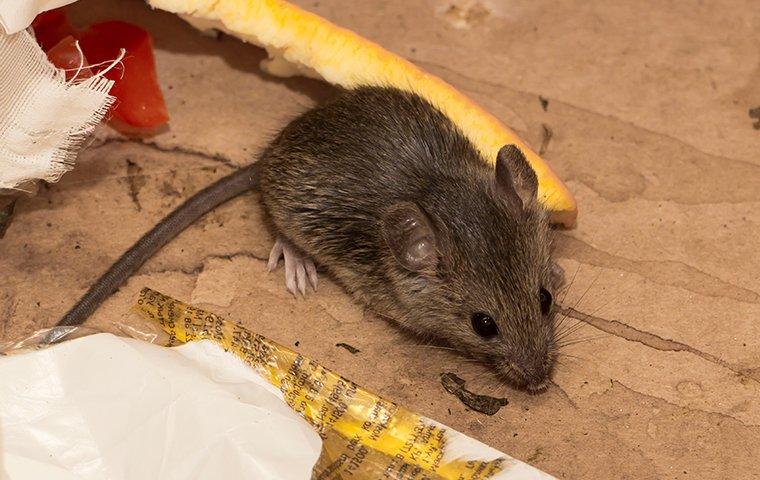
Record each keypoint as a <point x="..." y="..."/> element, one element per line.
<point x="474" y="268"/>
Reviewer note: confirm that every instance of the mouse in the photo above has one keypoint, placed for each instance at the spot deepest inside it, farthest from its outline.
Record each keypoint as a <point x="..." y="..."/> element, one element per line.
<point x="383" y="192"/>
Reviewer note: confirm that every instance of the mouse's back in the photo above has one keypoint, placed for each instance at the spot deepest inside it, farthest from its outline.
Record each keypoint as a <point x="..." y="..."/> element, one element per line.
<point x="339" y="166"/>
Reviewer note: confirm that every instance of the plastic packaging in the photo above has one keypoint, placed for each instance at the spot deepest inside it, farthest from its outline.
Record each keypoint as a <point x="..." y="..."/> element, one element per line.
<point x="363" y="436"/>
<point x="108" y="407"/>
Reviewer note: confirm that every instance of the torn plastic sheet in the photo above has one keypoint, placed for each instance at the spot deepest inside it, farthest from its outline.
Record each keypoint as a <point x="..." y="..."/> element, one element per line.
<point x="363" y="436"/>
<point x="106" y="407"/>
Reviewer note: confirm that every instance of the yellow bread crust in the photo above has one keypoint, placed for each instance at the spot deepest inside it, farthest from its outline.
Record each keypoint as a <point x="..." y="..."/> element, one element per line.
<point x="344" y="58"/>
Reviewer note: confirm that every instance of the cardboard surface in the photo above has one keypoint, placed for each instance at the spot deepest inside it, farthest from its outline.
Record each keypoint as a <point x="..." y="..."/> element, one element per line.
<point x="648" y="106"/>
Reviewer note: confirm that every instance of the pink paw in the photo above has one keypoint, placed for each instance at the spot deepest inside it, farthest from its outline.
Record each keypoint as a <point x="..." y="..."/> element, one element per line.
<point x="299" y="268"/>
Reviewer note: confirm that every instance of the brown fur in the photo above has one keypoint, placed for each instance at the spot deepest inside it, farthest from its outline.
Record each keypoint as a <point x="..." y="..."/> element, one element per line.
<point x="329" y="178"/>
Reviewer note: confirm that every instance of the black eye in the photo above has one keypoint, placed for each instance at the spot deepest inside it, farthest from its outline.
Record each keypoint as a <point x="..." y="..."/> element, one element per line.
<point x="484" y="325"/>
<point x="545" y="298"/>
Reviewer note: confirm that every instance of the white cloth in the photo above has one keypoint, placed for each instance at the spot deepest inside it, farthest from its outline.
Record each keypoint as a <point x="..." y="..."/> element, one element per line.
<point x="43" y="118"/>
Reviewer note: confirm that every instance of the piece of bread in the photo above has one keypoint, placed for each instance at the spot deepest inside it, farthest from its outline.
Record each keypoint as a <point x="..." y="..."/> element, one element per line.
<point x="301" y="43"/>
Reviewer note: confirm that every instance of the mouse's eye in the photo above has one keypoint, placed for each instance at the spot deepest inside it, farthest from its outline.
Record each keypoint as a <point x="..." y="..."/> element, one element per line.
<point x="545" y="298"/>
<point x="484" y="325"/>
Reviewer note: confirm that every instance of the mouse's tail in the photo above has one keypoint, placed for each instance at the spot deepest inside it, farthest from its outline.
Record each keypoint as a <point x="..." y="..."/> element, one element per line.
<point x="192" y="209"/>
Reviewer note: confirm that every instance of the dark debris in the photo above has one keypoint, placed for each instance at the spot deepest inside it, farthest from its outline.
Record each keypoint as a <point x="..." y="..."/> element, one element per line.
<point x="754" y="113"/>
<point x="6" y="213"/>
<point x="544" y="102"/>
<point x="546" y="138"/>
<point x="480" y="403"/>
<point x="348" y="347"/>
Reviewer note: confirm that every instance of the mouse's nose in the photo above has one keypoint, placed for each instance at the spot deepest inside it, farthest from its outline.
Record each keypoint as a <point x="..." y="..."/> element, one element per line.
<point x="528" y="371"/>
<point x="537" y="381"/>
<point x="535" y="373"/>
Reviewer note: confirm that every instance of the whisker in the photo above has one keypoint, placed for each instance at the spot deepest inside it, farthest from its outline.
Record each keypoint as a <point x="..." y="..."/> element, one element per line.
<point x="567" y="331"/>
<point x="565" y="318"/>
<point x="569" y="286"/>
<point x="437" y="347"/>
<point x="475" y="383"/>
<point x="558" y="324"/>
<point x="595" y="337"/>
<point x="581" y="340"/>
<point x="618" y="295"/>
<point x="567" y="355"/>
<point x="588" y="289"/>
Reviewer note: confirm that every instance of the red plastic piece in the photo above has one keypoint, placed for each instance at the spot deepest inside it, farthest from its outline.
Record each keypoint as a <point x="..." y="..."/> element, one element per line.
<point x="140" y="101"/>
<point x="65" y="55"/>
<point x="51" y="27"/>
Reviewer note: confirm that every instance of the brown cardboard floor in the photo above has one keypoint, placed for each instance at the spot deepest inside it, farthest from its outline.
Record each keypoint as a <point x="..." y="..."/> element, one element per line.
<point x="648" y="104"/>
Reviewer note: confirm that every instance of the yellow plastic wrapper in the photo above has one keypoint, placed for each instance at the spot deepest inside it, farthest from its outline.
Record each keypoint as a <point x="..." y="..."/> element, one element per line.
<point x="364" y="436"/>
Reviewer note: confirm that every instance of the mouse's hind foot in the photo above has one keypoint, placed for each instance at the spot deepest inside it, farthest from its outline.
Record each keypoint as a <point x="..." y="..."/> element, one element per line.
<point x="299" y="267"/>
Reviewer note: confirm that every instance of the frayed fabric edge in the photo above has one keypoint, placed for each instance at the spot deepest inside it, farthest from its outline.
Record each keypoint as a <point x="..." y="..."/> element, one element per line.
<point x="44" y="118"/>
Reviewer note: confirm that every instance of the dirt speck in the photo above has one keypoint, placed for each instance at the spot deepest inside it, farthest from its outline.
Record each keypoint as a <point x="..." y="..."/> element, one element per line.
<point x="545" y="139"/>
<point x="754" y="113"/>
<point x="135" y="182"/>
<point x="466" y="14"/>
<point x="544" y="103"/>
<point x="168" y="190"/>
<point x="537" y="454"/>
<point x="6" y="214"/>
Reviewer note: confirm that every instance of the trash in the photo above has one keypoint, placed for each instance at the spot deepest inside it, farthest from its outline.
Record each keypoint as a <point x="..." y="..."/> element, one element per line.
<point x="480" y="403"/>
<point x="44" y="118"/>
<point x="133" y="400"/>
<point x="103" y="406"/>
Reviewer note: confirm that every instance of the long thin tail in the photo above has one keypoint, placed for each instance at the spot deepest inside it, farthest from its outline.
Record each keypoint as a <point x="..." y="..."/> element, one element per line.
<point x="192" y="209"/>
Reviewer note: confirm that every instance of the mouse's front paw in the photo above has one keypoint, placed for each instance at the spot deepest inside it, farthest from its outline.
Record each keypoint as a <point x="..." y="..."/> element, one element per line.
<point x="299" y="268"/>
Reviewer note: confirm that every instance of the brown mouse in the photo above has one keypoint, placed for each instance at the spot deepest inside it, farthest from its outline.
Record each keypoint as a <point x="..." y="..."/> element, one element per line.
<point x="383" y="191"/>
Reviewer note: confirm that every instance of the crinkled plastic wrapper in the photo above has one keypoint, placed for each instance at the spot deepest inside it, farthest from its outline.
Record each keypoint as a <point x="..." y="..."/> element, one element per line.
<point x="363" y="436"/>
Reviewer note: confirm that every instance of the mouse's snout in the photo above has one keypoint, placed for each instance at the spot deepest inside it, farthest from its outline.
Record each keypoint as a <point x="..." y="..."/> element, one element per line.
<point x="533" y="373"/>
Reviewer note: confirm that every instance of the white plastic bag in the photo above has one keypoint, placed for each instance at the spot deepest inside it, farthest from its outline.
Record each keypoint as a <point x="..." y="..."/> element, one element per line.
<point x="106" y="407"/>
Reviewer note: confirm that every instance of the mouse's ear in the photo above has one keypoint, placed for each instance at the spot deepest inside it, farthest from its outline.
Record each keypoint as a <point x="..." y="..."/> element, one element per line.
<point x="516" y="181"/>
<point x="410" y="236"/>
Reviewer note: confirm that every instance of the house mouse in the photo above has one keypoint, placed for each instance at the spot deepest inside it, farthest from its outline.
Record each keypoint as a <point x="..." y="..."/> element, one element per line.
<point x="384" y="192"/>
